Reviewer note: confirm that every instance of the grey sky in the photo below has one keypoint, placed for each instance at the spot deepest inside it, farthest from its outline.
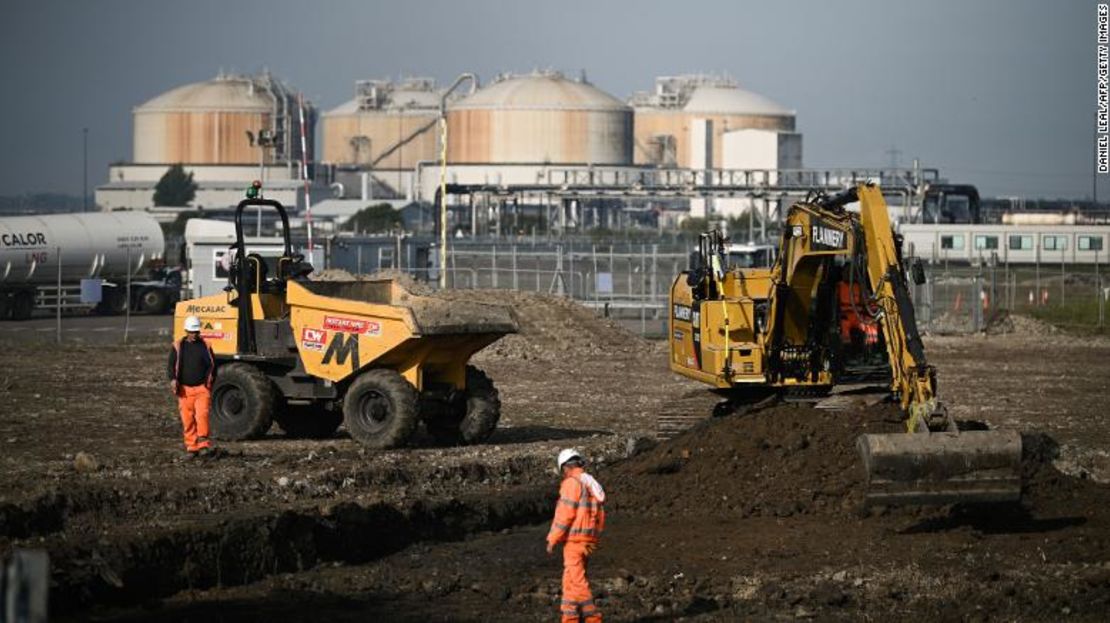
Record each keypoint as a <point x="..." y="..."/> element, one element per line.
<point x="996" y="93"/>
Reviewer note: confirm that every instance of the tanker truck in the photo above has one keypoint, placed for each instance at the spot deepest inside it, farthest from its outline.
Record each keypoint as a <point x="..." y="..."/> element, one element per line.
<point x="37" y="253"/>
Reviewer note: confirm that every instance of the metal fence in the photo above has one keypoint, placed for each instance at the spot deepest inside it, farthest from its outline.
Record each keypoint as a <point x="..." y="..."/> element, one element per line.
<point x="628" y="282"/>
<point x="969" y="299"/>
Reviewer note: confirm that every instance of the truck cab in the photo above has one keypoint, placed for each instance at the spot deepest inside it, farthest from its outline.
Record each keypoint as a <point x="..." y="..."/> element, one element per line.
<point x="751" y="255"/>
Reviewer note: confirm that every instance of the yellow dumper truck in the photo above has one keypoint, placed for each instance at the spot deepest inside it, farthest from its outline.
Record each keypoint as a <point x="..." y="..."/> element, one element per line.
<point x="370" y="354"/>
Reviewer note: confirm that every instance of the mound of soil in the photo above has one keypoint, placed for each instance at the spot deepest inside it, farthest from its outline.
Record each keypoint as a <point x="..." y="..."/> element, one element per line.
<point x="405" y="280"/>
<point x="1005" y="323"/>
<point x="796" y="460"/>
<point x="951" y="323"/>
<point x="553" y="328"/>
<point x="779" y="461"/>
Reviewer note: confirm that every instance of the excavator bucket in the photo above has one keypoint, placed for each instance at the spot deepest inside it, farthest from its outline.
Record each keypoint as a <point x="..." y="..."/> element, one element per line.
<point x="942" y="467"/>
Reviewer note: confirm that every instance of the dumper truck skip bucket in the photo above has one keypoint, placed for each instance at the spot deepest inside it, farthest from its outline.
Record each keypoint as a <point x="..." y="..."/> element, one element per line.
<point x="380" y="323"/>
<point x="940" y="468"/>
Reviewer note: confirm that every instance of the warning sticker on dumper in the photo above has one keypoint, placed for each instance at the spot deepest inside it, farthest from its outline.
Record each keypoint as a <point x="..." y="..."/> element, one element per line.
<point x="352" y="325"/>
<point x="313" y="339"/>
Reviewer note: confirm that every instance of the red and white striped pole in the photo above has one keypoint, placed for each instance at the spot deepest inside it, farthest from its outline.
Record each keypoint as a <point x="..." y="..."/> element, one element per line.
<point x="304" y="174"/>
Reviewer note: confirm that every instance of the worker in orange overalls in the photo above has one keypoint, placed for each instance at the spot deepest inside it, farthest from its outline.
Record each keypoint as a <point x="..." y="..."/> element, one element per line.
<point x="855" y="320"/>
<point x="579" y="520"/>
<point x="191" y="369"/>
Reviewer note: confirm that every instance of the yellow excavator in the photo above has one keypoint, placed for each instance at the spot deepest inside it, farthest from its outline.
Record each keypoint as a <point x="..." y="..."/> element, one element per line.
<point x="838" y="290"/>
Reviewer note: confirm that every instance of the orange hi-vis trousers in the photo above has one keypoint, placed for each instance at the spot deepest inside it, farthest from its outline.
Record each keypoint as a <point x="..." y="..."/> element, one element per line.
<point x="193" y="403"/>
<point x="577" y="598"/>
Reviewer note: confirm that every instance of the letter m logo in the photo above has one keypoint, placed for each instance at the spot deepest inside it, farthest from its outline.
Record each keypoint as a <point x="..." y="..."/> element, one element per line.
<point x="342" y="346"/>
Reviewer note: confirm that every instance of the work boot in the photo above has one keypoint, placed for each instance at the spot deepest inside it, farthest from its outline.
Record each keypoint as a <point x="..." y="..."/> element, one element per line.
<point x="207" y="452"/>
<point x="188" y="456"/>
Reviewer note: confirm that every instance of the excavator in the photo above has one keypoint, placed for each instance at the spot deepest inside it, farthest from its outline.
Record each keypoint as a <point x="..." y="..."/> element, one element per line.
<point x="839" y="285"/>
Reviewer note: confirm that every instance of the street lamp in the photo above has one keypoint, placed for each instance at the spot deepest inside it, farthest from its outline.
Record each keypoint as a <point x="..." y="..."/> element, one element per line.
<point x="266" y="139"/>
<point x="85" y="169"/>
<point x="443" y="172"/>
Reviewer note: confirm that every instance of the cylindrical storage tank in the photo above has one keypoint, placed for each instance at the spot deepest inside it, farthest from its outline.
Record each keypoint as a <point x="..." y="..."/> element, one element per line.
<point x="539" y="118"/>
<point x="386" y="126"/>
<point x="208" y="123"/>
<point x="91" y="245"/>
<point x="665" y="118"/>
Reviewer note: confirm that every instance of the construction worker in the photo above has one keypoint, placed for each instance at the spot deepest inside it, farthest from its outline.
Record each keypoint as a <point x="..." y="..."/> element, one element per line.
<point x="191" y="369"/>
<point x="579" y="520"/>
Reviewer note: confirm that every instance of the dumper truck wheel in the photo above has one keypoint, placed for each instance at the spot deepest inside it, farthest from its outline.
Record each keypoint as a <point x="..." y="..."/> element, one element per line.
<point x="380" y="409"/>
<point x="242" y="402"/>
<point x="478" y="421"/>
<point x="312" y="421"/>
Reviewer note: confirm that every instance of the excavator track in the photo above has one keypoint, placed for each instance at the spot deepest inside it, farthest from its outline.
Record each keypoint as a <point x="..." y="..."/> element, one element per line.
<point x="698" y="406"/>
<point x="685" y="412"/>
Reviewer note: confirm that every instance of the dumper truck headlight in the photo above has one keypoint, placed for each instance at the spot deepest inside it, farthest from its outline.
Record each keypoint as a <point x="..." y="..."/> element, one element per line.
<point x="796" y="231"/>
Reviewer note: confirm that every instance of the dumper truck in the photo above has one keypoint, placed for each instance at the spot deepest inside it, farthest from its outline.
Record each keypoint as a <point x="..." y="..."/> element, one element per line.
<point x="370" y="354"/>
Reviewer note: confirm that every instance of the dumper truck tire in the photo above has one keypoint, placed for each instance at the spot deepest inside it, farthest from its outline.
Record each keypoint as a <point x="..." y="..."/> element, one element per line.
<point x="242" y="402"/>
<point x="478" y="421"/>
<point x="379" y="409"/>
<point x="312" y="421"/>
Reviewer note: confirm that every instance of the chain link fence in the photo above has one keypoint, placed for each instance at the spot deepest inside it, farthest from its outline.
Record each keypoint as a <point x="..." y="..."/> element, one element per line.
<point x="970" y="299"/>
<point x="629" y="281"/>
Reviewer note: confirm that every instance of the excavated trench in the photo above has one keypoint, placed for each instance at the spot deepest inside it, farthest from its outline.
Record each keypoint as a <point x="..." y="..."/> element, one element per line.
<point x="72" y="504"/>
<point x="131" y="567"/>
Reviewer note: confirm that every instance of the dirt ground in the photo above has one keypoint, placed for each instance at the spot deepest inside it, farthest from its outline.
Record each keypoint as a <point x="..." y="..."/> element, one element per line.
<point x="754" y="516"/>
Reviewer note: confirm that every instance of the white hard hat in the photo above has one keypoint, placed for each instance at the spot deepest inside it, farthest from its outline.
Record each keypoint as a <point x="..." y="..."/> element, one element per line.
<point x="567" y="454"/>
<point x="192" y="323"/>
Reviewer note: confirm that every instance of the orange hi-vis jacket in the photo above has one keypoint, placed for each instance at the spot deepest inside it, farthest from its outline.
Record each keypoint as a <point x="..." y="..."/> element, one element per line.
<point x="580" y="511"/>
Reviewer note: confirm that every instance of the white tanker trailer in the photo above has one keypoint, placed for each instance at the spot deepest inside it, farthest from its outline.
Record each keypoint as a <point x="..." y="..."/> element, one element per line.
<point x="108" y="246"/>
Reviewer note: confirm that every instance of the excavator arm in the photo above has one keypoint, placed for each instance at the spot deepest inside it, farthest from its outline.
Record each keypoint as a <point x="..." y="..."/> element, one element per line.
<point x="934" y="462"/>
<point x="913" y="380"/>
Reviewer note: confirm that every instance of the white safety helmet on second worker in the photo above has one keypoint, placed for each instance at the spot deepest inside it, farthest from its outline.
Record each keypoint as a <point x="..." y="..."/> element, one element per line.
<point x="192" y="323"/>
<point x="567" y="454"/>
